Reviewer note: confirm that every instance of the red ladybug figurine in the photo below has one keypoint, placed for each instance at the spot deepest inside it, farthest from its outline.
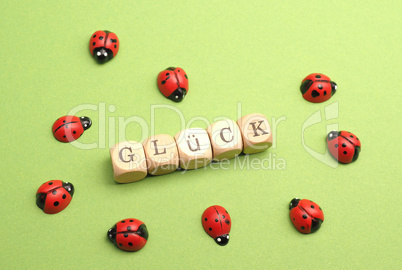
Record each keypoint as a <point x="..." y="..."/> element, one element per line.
<point x="217" y="223"/>
<point x="69" y="128"/>
<point x="343" y="146"/>
<point x="317" y="88"/>
<point x="129" y="234"/>
<point x="173" y="83"/>
<point x="103" y="45"/>
<point x="306" y="215"/>
<point x="54" y="195"/>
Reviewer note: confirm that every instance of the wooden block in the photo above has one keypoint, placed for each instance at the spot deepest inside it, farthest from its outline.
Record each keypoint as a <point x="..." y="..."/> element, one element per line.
<point x="129" y="162"/>
<point x="256" y="133"/>
<point x="161" y="153"/>
<point x="226" y="139"/>
<point x="194" y="148"/>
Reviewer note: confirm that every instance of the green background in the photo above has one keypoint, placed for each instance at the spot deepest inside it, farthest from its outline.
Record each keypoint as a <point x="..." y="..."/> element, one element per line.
<point x="252" y="54"/>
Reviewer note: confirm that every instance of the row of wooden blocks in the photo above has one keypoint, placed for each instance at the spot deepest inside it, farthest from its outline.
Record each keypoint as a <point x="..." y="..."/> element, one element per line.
<point x="190" y="148"/>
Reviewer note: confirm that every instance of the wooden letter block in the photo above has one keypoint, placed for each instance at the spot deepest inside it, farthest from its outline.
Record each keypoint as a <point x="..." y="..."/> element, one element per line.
<point x="226" y="139"/>
<point x="129" y="162"/>
<point x="161" y="153"/>
<point x="194" y="148"/>
<point x="256" y="133"/>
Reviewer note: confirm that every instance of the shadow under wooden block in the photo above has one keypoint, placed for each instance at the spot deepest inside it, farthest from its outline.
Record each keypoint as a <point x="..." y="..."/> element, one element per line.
<point x="161" y="153"/>
<point x="256" y="133"/>
<point x="129" y="162"/>
<point x="226" y="139"/>
<point x="194" y="148"/>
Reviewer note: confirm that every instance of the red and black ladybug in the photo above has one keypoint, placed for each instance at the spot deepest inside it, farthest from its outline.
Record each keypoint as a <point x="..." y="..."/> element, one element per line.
<point x="69" y="128"/>
<point x="173" y="83"/>
<point x="343" y="146"/>
<point x="129" y="234"/>
<point x="217" y="223"/>
<point x="306" y="215"/>
<point x="103" y="45"/>
<point x="317" y="88"/>
<point x="54" y="195"/>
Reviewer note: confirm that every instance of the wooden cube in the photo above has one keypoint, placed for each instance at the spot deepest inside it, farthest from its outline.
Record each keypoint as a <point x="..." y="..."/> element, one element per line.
<point x="129" y="162"/>
<point x="161" y="153"/>
<point x="225" y="139"/>
<point x="256" y="133"/>
<point x="194" y="148"/>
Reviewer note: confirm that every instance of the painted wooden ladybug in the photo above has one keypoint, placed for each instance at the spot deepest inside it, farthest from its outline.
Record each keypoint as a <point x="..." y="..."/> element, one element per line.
<point x="103" y="45"/>
<point x="173" y="83"/>
<point x="54" y="195"/>
<point x="69" y="128"/>
<point x="306" y="215"/>
<point x="317" y="88"/>
<point x="217" y="223"/>
<point x="129" y="234"/>
<point x="343" y="146"/>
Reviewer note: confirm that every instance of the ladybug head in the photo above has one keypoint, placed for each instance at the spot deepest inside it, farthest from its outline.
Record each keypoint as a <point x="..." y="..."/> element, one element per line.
<point x="178" y="94"/>
<point x="102" y="55"/>
<point x="222" y="240"/>
<point x="293" y="203"/>
<point x="111" y="234"/>
<point x="85" y="122"/>
<point x="69" y="187"/>
<point x="332" y="135"/>
<point x="333" y="87"/>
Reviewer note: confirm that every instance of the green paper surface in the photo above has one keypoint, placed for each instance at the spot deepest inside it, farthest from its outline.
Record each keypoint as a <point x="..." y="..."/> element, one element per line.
<point x="240" y="57"/>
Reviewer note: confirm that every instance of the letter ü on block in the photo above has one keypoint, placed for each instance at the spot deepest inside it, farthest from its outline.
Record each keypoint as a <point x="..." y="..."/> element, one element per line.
<point x="129" y="162"/>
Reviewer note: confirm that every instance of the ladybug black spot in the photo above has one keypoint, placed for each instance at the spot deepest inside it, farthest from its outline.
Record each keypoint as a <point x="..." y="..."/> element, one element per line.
<point x="64" y="121"/>
<point x="293" y="218"/>
<point x="223" y="216"/>
<point x="94" y="36"/>
<point x="336" y="145"/>
<point x="64" y="196"/>
<point x="93" y="44"/>
<point x="302" y="227"/>
<point x="100" y="38"/>
<point x="216" y="220"/>
<point x="126" y="235"/>
<point x="74" y="132"/>
<point x="320" y="86"/>
<point x="304" y="216"/>
<point x="121" y="244"/>
<point x="320" y="208"/>
<point x="351" y="136"/>
<point x="226" y="212"/>
<point x="312" y="206"/>
<point x="210" y="229"/>
<point x="178" y="70"/>
<point x="167" y="74"/>
<point x="357" y="138"/>
<point x="163" y="82"/>
<point x="56" y="203"/>
<point x="64" y="136"/>
<point x="227" y="221"/>
<point x="54" y="192"/>
<point x="115" y="46"/>
<point x="344" y="145"/>
<point x="344" y="152"/>
<point x="123" y="221"/>
<point x="128" y="228"/>
<point x="50" y="183"/>
<point x="130" y="244"/>
<point x="318" y="76"/>
<point x="131" y="220"/>
<point x="206" y="219"/>
<point x="325" y="93"/>
<point x="185" y="75"/>
<point x="315" y="94"/>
